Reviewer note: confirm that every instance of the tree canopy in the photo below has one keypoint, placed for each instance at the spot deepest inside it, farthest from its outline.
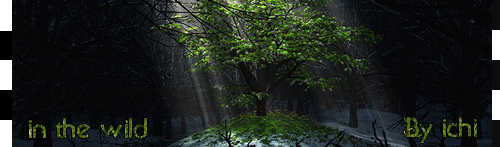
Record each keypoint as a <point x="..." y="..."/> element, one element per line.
<point x="268" y="41"/>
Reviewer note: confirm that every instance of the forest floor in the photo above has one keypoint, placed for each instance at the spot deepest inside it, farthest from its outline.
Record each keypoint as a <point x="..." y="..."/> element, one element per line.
<point x="393" y="126"/>
<point x="389" y="122"/>
<point x="337" y="119"/>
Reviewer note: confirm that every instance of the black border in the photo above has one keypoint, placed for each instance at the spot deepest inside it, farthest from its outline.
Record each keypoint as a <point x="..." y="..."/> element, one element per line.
<point x="494" y="125"/>
<point x="495" y="65"/>
<point x="495" y="68"/>
<point x="6" y="95"/>
<point x="495" y="12"/>
<point x="6" y="51"/>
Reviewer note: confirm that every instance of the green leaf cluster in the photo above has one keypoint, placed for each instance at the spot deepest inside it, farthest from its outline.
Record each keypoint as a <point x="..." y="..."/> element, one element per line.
<point x="283" y="34"/>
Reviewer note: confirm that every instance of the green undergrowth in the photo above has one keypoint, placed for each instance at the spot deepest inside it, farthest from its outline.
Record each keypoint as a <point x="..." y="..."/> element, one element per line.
<point x="278" y="128"/>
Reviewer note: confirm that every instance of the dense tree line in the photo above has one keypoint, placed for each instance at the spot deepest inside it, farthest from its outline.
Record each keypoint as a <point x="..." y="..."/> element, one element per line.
<point x="434" y="53"/>
<point x="95" y="58"/>
<point x="101" y="59"/>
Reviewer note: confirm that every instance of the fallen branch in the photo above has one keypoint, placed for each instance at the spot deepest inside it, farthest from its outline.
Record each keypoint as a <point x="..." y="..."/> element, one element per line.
<point x="441" y="139"/>
<point x="248" y="144"/>
<point x="70" y="139"/>
<point x="340" y="134"/>
<point x="375" y="134"/>
<point x="340" y="139"/>
<point x="297" y="142"/>
<point x="385" y="138"/>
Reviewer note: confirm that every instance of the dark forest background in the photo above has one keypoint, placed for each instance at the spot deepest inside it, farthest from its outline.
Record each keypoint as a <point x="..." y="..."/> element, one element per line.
<point x="101" y="59"/>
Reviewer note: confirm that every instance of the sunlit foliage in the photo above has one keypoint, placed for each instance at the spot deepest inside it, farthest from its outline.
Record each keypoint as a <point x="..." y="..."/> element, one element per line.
<point x="275" y="36"/>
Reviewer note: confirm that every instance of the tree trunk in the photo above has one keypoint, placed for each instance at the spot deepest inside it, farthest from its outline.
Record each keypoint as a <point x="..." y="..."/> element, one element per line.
<point x="183" y="124"/>
<point x="259" y="83"/>
<point x="300" y="103"/>
<point x="290" y="104"/>
<point x="299" y="95"/>
<point x="158" y="127"/>
<point x="203" y="122"/>
<point x="352" y="96"/>
<point x="168" y="132"/>
<point x="202" y="114"/>
<point x="353" y="113"/>
<point x="309" y="102"/>
<point x="261" y="106"/>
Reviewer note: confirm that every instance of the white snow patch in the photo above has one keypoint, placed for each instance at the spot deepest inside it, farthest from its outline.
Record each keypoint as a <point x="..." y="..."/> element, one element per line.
<point x="340" y="119"/>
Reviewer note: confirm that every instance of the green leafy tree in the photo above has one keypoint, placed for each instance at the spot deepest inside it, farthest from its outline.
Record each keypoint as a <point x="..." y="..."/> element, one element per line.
<point x="269" y="41"/>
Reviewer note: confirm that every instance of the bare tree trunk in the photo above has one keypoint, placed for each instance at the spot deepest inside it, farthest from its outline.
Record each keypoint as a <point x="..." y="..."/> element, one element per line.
<point x="353" y="113"/>
<point x="168" y="132"/>
<point x="183" y="124"/>
<point x="203" y="123"/>
<point x="306" y="108"/>
<point x="158" y="127"/>
<point x="300" y="103"/>
<point x="290" y="104"/>
<point x="352" y="91"/>
<point x="261" y="106"/>
<point x="202" y="115"/>
<point x="299" y="95"/>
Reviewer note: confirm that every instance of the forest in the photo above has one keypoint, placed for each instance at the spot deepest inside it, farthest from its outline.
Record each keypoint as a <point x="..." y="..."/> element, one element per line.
<point x="251" y="72"/>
